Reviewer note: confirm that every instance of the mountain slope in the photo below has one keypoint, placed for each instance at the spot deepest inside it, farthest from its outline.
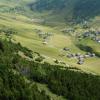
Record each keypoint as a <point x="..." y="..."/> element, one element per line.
<point x="15" y="6"/>
<point x="40" y="62"/>
<point x="69" y="9"/>
<point x="17" y="77"/>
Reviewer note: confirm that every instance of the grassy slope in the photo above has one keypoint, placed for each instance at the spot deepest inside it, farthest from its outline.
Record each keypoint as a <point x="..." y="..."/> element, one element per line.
<point x="28" y="37"/>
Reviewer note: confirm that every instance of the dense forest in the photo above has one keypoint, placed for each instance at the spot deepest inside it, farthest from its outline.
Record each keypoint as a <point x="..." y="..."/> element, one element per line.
<point x="17" y="74"/>
<point x="13" y="85"/>
<point x="78" y="8"/>
<point x="41" y="5"/>
<point x="83" y="9"/>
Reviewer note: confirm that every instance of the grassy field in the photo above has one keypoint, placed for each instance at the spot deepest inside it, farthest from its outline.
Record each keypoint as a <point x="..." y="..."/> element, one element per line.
<point x="28" y="37"/>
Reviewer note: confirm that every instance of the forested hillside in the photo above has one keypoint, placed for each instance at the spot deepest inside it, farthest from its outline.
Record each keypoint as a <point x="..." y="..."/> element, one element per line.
<point x="17" y="74"/>
<point x="77" y="9"/>
<point x="13" y="84"/>
<point x="68" y="9"/>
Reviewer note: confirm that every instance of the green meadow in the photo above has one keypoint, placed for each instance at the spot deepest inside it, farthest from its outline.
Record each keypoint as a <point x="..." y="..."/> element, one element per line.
<point x="28" y="37"/>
